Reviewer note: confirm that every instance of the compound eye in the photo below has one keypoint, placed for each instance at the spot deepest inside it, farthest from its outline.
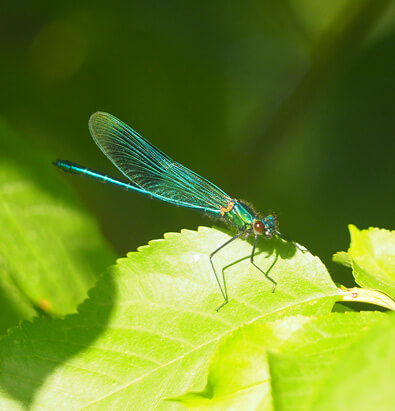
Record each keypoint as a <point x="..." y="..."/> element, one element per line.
<point x="258" y="227"/>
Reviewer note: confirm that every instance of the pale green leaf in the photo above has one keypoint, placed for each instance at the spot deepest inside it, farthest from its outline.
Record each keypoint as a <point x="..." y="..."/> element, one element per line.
<point x="300" y="365"/>
<point x="343" y="257"/>
<point x="372" y="257"/>
<point x="299" y="351"/>
<point x="364" y="376"/>
<point x="149" y="329"/>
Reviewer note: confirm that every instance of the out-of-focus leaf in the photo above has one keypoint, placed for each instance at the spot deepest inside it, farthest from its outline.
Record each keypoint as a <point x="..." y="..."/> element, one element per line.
<point x="51" y="252"/>
<point x="14" y="305"/>
<point x="301" y="364"/>
<point x="279" y="365"/>
<point x="363" y="378"/>
<point x="372" y="257"/>
<point x="342" y="257"/>
<point x="149" y="329"/>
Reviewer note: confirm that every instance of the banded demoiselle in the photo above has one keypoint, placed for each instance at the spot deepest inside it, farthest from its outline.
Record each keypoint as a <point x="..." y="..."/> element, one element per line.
<point x="152" y="172"/>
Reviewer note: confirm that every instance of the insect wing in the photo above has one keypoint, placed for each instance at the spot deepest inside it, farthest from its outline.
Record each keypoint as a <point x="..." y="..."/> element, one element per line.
<point x="151" y="169"/>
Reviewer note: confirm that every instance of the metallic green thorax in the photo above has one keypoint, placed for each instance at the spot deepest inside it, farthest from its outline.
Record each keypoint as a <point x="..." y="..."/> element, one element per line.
<point x="240" y="216"/>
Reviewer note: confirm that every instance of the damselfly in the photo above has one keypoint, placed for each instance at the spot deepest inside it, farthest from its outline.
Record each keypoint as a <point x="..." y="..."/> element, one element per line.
<point x="152" y="172"/>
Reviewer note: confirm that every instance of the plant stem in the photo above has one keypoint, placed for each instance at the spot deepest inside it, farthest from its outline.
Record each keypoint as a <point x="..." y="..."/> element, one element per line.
<point x="366" y="295"/>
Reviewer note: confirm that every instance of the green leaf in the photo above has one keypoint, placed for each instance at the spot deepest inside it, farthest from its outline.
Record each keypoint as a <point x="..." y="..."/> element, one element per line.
<point x="299" y="366"/>
<point x="51" y="252"/>
<point x="372" y="257"/>
<point x="14" y="305"/>
<point x="149" y="329"/>
<point x="239" y="375"/>
<point x="341" y="308"/>
<point x="363" y="378"/>
<point x="343" y="258"/>
<point x="279" y="365"/>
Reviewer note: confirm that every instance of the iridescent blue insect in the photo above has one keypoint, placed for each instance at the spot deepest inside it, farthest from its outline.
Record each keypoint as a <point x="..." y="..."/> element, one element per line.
<point x="152" y="172"/>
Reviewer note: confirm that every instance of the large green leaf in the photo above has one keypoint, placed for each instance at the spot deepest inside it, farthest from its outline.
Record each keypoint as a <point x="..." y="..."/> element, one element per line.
<point x="281" y="365"/>
<point x="372" y="258"/>
<point x="149" y="329"/>
<point x="51" y="252"/>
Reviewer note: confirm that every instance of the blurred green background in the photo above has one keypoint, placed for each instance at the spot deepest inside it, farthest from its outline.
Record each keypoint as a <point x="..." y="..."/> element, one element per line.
<point x="287" y="104"/>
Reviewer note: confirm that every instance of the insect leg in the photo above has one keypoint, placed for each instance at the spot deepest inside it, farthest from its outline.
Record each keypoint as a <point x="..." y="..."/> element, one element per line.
<point x="252" y="262"/>
<point x="223" y="290"/>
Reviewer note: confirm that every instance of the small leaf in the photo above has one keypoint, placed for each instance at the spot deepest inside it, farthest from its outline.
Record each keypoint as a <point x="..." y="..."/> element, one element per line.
<point x="149" y="329"/>
<point x="372" y="257"/>
<point x="342" y="257"/>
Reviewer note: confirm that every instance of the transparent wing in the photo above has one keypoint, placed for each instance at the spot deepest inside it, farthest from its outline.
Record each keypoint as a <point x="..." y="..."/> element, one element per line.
<point x="152" y="170"/>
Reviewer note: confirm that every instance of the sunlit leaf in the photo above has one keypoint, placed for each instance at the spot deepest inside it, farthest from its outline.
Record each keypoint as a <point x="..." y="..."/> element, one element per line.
<point x="280" y="365"/>
<point x="363" y="378"/>
<point x="238" y="377"/>
<point x="300" y="365"/>
<point x="372" y="257"/>
<point x="149" y="330"/>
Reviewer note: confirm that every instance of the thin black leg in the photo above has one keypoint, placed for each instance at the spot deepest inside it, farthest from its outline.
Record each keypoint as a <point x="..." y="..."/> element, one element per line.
<point x="252" y="262"/>
<point x="224" y="291"/>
